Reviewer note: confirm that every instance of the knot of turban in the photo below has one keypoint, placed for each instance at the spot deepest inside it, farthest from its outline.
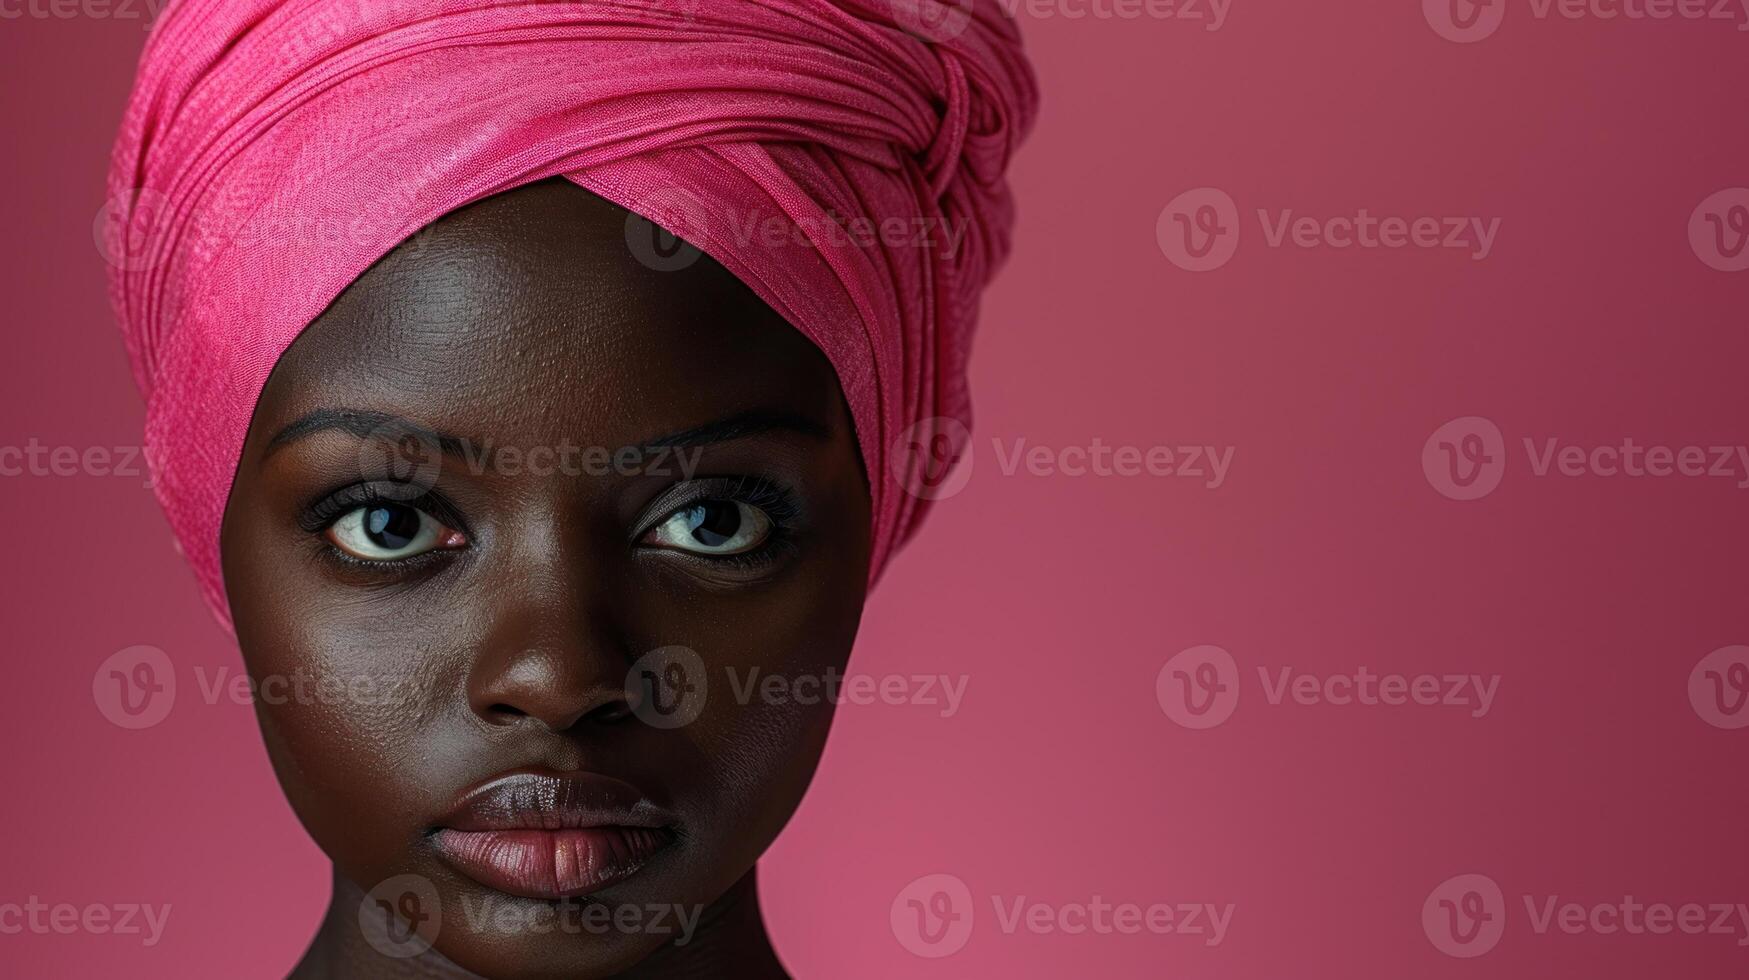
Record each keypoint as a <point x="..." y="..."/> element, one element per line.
<point x="272" y="150"/>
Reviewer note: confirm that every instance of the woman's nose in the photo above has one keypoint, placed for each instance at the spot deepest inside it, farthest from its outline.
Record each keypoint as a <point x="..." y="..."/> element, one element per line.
<point x="551" y="688"/>
<point x="548" y="663"/>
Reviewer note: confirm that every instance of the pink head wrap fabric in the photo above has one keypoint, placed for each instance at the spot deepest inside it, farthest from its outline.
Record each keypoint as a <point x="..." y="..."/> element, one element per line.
<point x="272" y="150"/>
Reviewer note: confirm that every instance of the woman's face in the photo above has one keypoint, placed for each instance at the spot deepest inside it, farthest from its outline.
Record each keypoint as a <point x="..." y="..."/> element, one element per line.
<point x="522" y="533"/>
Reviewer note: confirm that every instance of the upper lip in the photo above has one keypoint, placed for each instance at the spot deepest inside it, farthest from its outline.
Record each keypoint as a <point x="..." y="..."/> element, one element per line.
<point x="553" y="801"/>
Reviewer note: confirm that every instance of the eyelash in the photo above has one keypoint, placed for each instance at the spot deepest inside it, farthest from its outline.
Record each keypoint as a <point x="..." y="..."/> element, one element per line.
<point x="777" y="501"/>
<point x="324" y="513"/>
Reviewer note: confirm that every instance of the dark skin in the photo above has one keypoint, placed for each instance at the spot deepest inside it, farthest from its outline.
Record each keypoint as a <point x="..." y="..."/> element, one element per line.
<point x="526" y="321"/>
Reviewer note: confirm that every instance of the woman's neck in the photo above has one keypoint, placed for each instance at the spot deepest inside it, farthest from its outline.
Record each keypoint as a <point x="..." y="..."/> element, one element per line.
<point x="730" y="940"/>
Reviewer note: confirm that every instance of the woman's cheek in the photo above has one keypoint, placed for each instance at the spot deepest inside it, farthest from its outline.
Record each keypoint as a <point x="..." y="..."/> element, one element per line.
<point x="354" y="714"/>
<point x="772" y="699"/>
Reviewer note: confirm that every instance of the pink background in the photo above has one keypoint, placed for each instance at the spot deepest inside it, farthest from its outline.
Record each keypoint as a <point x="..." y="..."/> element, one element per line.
<point x="1060" y="598"/>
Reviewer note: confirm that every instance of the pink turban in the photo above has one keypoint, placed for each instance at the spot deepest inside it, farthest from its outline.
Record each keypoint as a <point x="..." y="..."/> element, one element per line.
<point x="272" y="150"/>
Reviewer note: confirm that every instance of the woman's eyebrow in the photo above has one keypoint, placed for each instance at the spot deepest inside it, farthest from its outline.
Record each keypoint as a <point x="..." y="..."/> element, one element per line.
<point x="365" y="424"/>
<point x="740" y="426"/>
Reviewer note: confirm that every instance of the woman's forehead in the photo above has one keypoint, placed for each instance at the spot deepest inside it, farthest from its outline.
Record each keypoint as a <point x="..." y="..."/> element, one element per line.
<point x="530" y="308"/>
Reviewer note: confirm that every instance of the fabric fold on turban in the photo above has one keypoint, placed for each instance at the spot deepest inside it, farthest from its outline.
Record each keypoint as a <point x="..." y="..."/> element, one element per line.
<point x="272" y="150"/>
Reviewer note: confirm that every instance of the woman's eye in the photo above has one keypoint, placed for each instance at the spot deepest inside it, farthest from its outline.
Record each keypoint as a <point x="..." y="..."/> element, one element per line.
<point x="713" y="527"/>
<point x="390" y="531"/>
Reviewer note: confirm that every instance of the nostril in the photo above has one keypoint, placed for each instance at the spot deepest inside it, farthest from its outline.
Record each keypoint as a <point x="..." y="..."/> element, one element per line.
<point x="611" y="712"/>
<point x="607" y="713"/>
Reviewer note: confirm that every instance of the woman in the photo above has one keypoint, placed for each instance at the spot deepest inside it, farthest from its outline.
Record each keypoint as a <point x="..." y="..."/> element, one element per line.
<point x="444" y="424"/>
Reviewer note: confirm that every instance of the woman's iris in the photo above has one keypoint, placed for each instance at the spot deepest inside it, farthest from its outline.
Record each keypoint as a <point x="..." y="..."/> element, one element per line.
<point x="713" y="522"/>
<point x="391" y="526"/>
<point x="387" y="532"/>
<point x="713" y="527"/>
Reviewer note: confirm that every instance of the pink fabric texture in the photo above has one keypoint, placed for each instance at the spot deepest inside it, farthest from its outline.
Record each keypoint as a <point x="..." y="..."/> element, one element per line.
<point x="271" y="151"/>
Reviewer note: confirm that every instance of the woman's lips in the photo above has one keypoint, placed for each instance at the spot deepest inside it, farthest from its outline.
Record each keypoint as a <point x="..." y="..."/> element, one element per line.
<point x="550" y="863"/>
<point x="552" y="836"/>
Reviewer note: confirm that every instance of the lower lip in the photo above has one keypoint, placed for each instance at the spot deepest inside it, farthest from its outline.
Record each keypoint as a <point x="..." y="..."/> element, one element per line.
<point x="551" y="864"/>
